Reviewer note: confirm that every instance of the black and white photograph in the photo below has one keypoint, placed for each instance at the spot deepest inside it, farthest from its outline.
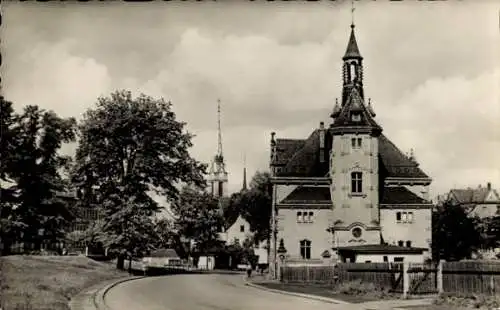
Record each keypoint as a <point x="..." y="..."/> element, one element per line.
<point x="243" y="155"/>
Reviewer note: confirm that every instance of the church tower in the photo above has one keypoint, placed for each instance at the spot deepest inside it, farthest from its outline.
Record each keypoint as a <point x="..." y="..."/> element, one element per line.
<point x="354" y="158"/>
<point x="217" y="178"/>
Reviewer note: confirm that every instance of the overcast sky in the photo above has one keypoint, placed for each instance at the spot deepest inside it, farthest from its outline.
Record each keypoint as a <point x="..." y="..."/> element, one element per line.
<point x="432" y="70"/>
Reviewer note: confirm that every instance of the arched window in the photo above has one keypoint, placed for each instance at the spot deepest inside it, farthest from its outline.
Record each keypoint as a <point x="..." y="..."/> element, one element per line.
<point x="305" y="249"/>
<point x="356" y="182"/>
<point x="352" y="71"/>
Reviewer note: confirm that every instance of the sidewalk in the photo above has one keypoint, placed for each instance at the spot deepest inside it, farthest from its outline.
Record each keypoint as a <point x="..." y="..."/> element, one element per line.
<point x="340" y="304"/>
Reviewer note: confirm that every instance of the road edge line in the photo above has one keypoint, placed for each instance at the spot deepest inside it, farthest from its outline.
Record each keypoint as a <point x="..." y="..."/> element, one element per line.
<point x="101" y="294"/>
<point x="307" y="296"/>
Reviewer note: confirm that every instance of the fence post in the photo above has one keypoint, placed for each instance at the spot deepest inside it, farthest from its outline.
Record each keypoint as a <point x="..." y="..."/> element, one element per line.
<point x="440" y="277"/>
<point x="406" y="280"/>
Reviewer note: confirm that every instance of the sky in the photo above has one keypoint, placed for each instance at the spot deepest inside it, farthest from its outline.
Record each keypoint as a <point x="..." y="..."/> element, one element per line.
<point x="431" y="69"/>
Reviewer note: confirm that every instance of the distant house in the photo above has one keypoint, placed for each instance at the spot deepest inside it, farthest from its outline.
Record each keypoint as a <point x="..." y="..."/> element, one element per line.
<point x="482" y="201"/>
<point x="238" y="232"/>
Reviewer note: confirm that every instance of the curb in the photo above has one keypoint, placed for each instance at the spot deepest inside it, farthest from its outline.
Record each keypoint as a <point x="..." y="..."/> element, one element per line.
<point x="92" y="298"/>
<point x="99" y="296"/>
<point x="317" y="298"/>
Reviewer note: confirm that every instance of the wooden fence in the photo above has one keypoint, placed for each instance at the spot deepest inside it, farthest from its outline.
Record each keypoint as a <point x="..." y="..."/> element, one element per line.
<point x="461" y="278"/>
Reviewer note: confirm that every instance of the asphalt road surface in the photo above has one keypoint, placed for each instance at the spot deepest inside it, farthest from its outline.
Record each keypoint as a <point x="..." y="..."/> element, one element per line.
<point x="202" y="292"/>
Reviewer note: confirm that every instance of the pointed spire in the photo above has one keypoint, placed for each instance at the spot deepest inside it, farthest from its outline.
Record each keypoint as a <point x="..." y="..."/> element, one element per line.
<point x="219" y="134"/>
<point x="244" y="172"/>
<point x="352" y="50"/>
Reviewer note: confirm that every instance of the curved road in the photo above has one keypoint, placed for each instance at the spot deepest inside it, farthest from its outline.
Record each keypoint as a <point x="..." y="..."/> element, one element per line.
<point x="202" y="292"/>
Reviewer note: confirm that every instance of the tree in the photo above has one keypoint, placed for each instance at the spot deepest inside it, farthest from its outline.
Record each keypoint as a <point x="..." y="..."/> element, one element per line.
<point x="129" y="147"/>
<point x="198" y="218"/>
<point x="489" y="229"/>
<point x="454" y="234"/>
<point x="254" y="205"/>
<point x="31" y="164"/>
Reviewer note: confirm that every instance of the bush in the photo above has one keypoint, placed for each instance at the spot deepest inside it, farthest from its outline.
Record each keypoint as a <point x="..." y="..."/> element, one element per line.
<point x="359" y="288"/>
<point x="471" y="301"/>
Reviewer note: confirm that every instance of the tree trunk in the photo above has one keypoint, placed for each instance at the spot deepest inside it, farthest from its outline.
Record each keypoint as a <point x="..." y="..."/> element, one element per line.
<point x="130" y="265"/>
<point x="120" y="262"/>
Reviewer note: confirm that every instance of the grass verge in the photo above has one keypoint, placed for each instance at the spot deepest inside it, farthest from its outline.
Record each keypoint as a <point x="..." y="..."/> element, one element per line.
<point x="48" y="282"/>
<point x="352" y="292"/>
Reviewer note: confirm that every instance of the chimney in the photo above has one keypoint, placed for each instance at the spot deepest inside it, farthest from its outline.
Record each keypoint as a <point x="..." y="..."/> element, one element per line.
<point x="321" y="142"/>
<point x="488" y="185"/>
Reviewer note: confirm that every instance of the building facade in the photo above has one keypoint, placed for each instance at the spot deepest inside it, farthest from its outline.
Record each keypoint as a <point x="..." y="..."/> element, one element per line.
<point x="482" y="202"/>
<point x="347" y="185"/>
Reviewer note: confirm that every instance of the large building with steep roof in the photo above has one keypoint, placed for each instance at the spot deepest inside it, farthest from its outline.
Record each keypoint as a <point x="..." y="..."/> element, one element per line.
<point x="347" y="185"/>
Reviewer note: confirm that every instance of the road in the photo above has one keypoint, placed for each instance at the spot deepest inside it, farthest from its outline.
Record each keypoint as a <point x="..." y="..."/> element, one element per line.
<point x="202" y="292"/>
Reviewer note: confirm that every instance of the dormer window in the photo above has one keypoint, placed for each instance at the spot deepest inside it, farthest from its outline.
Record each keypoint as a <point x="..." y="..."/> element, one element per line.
<point x="356" y="143"/>
<point x="356" y="117"/>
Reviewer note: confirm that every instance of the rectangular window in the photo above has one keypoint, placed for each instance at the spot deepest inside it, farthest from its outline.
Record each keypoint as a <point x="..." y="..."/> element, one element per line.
<point x="299" y="217"/>
<point x="399" y="259"/>
<point x="310" y="218"/>
<point x="405" y="217"/>
<point x="353" y="142"/>
<point x="359" y="142"/>
<point x="408" y="244"/>
<point x="305" y="249"/>
<point x="356" y="182"/>
<point x="221" y="188"/>
<point x="400" y="243"/>
<point x="242" y="228"/>
<point x="386" y="259"/>
<point x="410" y="217"/>
<point x="398" y="217"/>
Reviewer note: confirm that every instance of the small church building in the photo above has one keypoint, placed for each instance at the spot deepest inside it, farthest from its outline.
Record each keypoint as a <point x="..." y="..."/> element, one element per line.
<point x="347" y="192"/>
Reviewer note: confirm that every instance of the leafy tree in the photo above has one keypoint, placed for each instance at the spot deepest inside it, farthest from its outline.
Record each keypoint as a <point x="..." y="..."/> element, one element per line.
<point x="490" y="232"/>
<point x="31" y="163"/>
<point x="454" y="234"/>
<point x="198" y="218"/>
<point x="254" y="205"/>
<point x="129" y="147"/>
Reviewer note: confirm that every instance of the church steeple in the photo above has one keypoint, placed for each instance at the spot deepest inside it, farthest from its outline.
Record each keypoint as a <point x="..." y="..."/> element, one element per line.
<point x="244" y="187"/>
<point x="218" y="175"/>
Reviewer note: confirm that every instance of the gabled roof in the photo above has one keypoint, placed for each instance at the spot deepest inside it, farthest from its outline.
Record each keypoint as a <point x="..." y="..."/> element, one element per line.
<point x="286" y="148"/>
<point x="355" y="103"/>
<point x="301" y="159"/>
<point x="395" y="162"/>
<point x="400" y="195"/>
<point x="308" y="194"/>
<point x="471" y="195"/>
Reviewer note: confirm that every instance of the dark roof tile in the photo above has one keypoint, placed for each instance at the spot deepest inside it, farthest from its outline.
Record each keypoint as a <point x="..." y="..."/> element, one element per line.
<point x="400" y="195"/>
<point x="309" y="194"/>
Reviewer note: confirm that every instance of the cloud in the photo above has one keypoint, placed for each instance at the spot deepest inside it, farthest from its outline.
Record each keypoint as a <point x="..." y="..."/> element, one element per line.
<point x="453" y="125"/>
<point x="56" y="79"/>
<point x="432" y="84"/>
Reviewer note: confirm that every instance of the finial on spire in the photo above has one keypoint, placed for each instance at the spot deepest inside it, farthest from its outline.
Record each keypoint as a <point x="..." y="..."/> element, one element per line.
<point x="352" y="13"/>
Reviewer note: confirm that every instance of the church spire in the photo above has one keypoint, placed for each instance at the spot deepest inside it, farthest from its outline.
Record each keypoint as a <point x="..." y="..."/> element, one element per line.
<point x="218" y="174"/>
<point x="352" y="51"/>
<point x="244" y="187"/>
